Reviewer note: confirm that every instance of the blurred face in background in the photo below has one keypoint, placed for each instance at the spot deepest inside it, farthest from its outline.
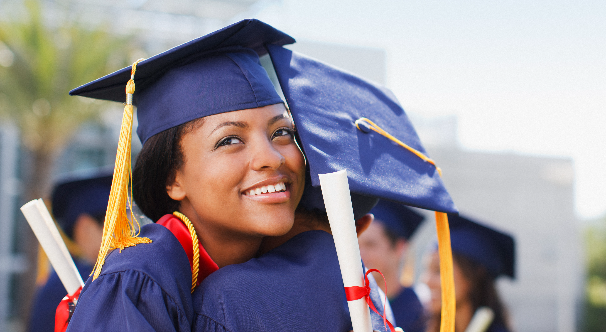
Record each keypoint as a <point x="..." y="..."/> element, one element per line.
<point x="381" y="252"/>
<point x="431" y="277"/>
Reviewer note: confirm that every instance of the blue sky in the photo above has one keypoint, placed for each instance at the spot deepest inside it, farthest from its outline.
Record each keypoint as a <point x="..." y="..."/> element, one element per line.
<point x="521" y="76"/>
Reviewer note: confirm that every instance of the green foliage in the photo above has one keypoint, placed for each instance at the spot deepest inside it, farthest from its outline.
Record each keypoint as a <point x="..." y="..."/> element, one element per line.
<point x="41" y="64"/>
<point x="42" y="57"/>
<point x="595" y="292"/>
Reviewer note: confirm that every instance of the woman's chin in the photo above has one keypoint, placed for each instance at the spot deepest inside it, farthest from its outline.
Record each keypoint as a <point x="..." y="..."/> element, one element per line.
<point x="278" y="227"/>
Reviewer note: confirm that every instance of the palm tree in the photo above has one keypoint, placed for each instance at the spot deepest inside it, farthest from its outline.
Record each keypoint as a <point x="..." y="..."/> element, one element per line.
<point x="38" y="66"/>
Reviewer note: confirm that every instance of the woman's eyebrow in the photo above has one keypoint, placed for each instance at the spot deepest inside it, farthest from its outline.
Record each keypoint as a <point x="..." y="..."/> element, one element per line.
<point x="278" y="118"/>
<point x="238" y="124"/>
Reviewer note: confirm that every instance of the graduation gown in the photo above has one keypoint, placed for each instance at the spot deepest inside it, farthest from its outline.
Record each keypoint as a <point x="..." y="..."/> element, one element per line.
<point x="408" y="311"/>
<point x="295" y="287"/>
<point x="48" y="296"/>
<point x="143" y="288"/>
<point x="497" y="327"/>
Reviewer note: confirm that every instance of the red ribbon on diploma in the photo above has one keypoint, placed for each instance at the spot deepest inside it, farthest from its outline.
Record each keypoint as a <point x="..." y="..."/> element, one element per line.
<point x="356" y="292"/>
<point x="65" y="309"/>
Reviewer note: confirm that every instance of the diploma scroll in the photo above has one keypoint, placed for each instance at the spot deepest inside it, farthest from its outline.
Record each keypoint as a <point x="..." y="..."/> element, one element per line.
<point x="481" y="320"/>
<point x="337" y="199"/>
<point x="48" y="235"/>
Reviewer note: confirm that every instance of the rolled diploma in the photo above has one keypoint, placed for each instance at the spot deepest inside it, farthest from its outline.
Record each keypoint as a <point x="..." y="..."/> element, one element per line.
<point x="337" y="199"/>
<point x="48" y="235"/>
<point x="481" y="320"/>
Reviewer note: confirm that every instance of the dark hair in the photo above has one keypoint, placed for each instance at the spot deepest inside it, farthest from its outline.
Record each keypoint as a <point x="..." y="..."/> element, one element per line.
<point x="99" y="218"/>
<point x="156" y="166"/>
<point x="483" y="292"/>
<point x="392" y="236"/>
<point x="313" y="216"/>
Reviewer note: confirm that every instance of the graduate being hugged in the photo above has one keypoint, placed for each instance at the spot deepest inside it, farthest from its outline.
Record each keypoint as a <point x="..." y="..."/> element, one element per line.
<point x="343" y="123"/>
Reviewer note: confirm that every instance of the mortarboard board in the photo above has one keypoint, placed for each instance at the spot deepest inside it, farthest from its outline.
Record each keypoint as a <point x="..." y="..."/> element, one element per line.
<point x="217" y="73"/>
<point x="77" y="194"/>
<point x="398" y="218"/>
<point x="485" y="245"/>
<point x="326" y="102"/>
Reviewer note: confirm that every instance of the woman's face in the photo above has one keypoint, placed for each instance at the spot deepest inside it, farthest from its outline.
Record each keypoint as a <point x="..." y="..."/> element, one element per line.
<point x="431" y="277"/>
<point x="243" y="173"/>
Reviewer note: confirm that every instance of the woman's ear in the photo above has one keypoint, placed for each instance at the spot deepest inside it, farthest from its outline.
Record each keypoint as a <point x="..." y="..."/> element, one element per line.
<point x="175" y="190"/>
<point x="363" y="223"/>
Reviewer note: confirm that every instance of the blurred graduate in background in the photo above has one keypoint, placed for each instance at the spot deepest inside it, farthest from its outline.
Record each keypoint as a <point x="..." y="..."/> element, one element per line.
<point x="481" y="254"/>
<point x="383" y="246"/>
<point x="78" y="205"/>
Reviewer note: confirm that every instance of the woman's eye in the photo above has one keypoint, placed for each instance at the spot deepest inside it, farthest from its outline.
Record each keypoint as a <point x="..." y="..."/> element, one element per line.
<point x="230" y="140"/>
<point x="284" y="132"/>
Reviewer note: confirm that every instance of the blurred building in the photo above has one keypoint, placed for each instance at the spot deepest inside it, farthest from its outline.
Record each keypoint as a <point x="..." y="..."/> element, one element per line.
<point x="11" y="262"/>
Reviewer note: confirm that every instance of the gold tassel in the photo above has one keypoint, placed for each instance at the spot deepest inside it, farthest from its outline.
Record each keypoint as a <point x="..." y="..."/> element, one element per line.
<point x="195" y="269"/>
<point x="118" y="231"/>
<point x="446" y="273"/>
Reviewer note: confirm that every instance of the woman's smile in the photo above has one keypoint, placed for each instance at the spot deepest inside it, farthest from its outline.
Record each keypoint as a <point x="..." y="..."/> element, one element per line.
<point x="270" y="191"/>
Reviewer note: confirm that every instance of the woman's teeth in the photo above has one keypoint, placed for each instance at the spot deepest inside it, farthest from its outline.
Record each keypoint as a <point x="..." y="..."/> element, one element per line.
<point x="267" y="189"/>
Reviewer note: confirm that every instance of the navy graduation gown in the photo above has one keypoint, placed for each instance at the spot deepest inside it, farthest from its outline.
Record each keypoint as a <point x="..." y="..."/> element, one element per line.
<point x="142" y="288"/>
<point x="497" y="327"/>
<point x="408" y="311"/>
<point x="47" y="298"/>
<point x="295" y="287"/>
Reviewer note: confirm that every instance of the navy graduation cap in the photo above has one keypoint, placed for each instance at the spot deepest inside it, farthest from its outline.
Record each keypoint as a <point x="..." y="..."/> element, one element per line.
<point x="78" y="194"/>
<point x="329" y="107"/>
<point x="216" y="73"/>
<point x="398" y="218"/>
<point x="345" y="122"/>
<point x="491" y="248"/>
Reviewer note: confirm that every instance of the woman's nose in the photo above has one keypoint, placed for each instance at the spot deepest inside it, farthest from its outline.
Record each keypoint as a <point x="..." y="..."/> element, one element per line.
<point x="266" y="156"/>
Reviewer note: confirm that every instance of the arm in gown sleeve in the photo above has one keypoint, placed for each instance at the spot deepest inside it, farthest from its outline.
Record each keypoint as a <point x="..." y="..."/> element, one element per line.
<point x="142" y="288"/>
<point x="295" y="287"/>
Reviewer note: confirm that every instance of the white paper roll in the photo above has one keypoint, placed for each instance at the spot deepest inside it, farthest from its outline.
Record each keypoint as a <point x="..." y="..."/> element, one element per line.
<point x="481" y="320"/>
<point x="337" y="199"/>
<point x="48" y="235"/>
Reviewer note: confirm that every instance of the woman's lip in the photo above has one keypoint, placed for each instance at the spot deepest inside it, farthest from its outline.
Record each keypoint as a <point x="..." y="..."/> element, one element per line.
<point x="271" y="198"/>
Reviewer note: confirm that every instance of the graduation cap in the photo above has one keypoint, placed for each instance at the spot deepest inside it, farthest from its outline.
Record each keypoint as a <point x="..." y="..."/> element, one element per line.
<point x="217" y="73"/>
<point x="398" y="218"/>
<point x="485" y="245"/>
<point x="80" y="194"/>
<point x="332" y="109"/>
<point x="347" y="123"/>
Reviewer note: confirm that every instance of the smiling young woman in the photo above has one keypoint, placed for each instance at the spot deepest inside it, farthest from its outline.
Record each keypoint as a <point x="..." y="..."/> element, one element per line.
<point x="218" y="171"/>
